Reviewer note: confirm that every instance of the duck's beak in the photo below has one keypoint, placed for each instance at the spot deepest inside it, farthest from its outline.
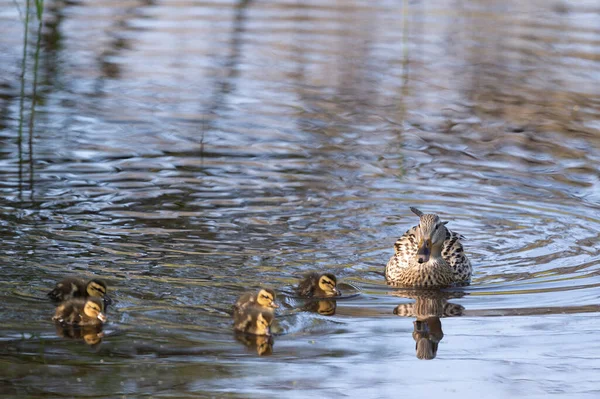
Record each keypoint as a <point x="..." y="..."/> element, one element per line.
<point x="336" y="292"/>
<point x="424" y="251"/>
<point x="274" y="305"/>
<point x="102" y="317"/>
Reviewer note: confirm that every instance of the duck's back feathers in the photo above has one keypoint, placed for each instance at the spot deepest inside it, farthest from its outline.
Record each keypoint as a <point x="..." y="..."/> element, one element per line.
<point x="66" y="289"/>
<point x="453" y="252"/>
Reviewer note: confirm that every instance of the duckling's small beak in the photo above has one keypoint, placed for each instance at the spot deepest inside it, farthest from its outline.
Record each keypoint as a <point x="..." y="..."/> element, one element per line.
<point x="424" y="251"/>
<point x="102" y="317"/>
<point x="337" y="292"/>
<point x="274" y="305"/>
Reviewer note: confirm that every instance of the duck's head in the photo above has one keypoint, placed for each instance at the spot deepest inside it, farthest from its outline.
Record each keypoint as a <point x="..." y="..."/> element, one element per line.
<point x="266" y="298"/>
<point x="328" y="284"/>
<point x="94" y="308"/>
<point x="261" y="323"/>
<point x="97" y="288"/>
<point x="431" y="233"/>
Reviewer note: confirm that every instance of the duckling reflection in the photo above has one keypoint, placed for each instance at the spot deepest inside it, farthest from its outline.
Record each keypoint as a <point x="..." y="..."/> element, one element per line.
<point x="262" y="344"/>
<point x="91" y="335"/>
<point x="323" y="307"/>
<point x="428" y="307"/>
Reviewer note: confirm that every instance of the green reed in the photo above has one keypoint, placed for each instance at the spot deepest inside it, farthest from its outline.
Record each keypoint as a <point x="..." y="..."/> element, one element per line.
<point x="39" y="8"/>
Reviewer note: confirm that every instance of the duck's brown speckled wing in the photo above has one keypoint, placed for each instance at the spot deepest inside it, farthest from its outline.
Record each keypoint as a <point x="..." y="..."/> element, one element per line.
<point x="406" y="247"/>
<point x="454" y="253"/>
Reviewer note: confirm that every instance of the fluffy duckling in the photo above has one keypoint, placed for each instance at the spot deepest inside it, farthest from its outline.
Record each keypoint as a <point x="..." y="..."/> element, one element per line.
<point x="253" y="321"/>
<point x="81" y="312"/>
<point x="264" y="299"/>
<point x="315" y="285"/>
<point x="72" y="287"/>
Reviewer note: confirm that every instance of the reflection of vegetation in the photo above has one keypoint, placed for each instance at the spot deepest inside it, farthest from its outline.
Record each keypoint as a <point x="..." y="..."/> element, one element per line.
<point x="39" y="5"/>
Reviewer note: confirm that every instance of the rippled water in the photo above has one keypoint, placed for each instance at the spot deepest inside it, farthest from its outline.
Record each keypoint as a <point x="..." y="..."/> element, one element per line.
<point x="188" y="151"/>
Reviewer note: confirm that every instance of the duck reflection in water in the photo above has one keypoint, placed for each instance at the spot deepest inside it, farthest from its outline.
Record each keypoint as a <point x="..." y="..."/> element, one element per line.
<point x="262" y="344"/>
<point x="428" y="308"/>
<point x="91" y="335"/>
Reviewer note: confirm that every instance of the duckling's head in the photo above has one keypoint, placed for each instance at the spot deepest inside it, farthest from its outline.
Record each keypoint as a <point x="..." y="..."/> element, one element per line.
<point x="266" y="298"/>
<point x="96" y="288"/>
<point x="431" y="233"/>
<point x="328" y="284"/>
<point x="93" y="308"/>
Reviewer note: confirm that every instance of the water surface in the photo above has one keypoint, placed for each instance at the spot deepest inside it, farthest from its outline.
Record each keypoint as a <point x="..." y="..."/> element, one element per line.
<point x="189" y="151"/>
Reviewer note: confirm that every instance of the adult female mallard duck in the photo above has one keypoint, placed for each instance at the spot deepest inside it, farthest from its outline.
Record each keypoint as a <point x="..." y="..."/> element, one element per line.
<point x="315" y="285"/>
<point x="253" y="321"/>
<point x="264" y="299"/>
<point x="81" y="312"/>
<point x="428" y="255"/>
<point x="72" y="287"/>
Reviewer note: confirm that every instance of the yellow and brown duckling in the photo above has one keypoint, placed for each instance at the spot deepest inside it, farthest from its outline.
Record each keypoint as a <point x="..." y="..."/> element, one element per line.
<point x="253" y="321"/>
<point x="264" y="299"/>
<point x="428" y="255"/>
<point x="81" y="312"/>
<point x="72" y="287"/>
<point x="315" y="285"/>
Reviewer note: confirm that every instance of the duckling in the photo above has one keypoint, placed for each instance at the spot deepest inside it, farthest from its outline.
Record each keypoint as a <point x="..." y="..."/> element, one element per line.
<point x="264" y="299"/>
<point x="253" y="321"/>
<point x="72" y="287"/>
<point x="428" y="255"/>
<point x="318" y="286"/>
<point x="81" y="312"/>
